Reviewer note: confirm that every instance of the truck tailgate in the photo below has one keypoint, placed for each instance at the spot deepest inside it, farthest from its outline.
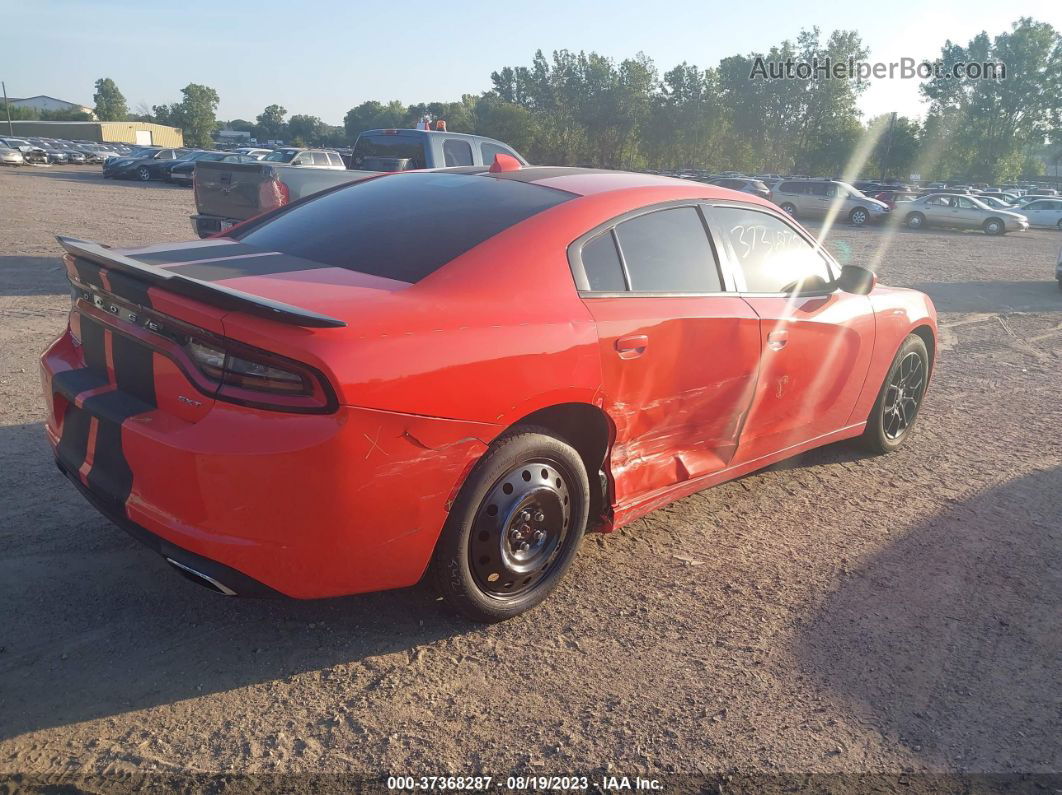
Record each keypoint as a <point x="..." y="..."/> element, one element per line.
<point x="230" y="190"/>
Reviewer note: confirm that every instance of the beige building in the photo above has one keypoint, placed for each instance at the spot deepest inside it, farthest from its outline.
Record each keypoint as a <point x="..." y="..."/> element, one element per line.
<point x="126" y="132"/>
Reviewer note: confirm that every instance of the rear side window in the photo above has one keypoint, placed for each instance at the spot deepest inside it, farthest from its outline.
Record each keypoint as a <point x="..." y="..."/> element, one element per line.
<point x="489" y="150"/>
<point x="601" y="264"/>
<point x="335" y="159"/>
<point x="321" y="159"/>
<point x="773" y="256"/>
<point x="404" y="226"/>
<point x="457" y="152"/>
<point x="791" y="187"/>
<point x="668" y="251"/>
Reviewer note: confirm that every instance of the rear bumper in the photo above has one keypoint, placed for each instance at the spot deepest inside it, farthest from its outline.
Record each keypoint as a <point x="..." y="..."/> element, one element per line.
<point x="305" y="505"/>
<point x="207" y="225"/>
<point x="236" y="581"/>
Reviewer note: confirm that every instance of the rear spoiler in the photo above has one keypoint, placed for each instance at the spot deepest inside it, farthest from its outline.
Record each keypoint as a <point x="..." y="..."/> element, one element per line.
<point x="209" y="293"/>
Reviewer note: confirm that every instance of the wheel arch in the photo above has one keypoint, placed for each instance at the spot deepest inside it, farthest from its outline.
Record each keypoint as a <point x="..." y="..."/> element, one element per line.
<point x="930" y="339"/>
<point x="590" y="431"/>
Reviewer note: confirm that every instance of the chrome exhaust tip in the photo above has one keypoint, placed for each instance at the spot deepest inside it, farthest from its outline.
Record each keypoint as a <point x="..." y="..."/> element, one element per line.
<point x="200" y="578"/>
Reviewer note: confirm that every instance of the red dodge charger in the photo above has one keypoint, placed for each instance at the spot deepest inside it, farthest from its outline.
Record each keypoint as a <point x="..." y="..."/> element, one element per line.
<point x="461" y="372"/>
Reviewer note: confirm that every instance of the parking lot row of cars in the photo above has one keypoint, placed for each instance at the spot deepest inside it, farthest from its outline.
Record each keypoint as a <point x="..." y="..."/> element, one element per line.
<point x="15" y="151"/>
<point x="994" y="210"/>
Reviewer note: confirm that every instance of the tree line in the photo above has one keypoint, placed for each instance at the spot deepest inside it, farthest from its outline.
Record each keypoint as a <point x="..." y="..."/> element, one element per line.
<point x="586" y="109"/>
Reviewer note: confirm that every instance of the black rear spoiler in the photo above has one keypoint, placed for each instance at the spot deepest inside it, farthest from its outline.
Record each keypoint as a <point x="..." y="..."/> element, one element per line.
<point x="209" y="293"/>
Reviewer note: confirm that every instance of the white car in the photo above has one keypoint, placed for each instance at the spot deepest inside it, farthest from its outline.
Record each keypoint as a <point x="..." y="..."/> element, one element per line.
<point x="1044" y="212"/>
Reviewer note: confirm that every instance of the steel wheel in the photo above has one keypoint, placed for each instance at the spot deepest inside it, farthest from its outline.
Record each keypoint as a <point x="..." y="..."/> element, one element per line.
<point x="903" y="396"/>
<point x="520" y="528"/>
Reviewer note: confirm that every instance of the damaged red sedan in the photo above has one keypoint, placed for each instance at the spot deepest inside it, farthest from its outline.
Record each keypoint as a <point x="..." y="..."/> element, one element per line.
<point x="460" y="372"/>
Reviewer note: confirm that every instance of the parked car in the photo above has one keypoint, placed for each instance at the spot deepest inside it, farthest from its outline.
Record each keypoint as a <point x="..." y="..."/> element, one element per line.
<point x="961" y="212"/>
<point x="229" y="193"/>
<point x="1044" y="212"/>
<point x="182" y="171"/>
<point x="383" y="398"/>
<point x="1043" y="192"/>
<point x="891" y="197"/>
<point x="30" y="153"/>
<point x="252" y="152"/>
<point x="10" y="156"/>
<point x="817" y="198"/>
<point x="144" y="167"/>
<point x="53" y="154"/>
<point x="743" y="185"/>
<point x="310" y="158"/>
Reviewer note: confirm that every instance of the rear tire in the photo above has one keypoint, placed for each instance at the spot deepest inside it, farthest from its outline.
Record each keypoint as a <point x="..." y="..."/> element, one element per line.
<point x="515" y="527"/>
<point x="900" y="398"/>
<point x="915" y="221"/>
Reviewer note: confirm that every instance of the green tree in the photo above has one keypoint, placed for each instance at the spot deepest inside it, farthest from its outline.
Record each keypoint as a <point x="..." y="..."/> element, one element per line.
<point x="989" y="122"/>
<point x="110" y="104"/>
<point x="305" y="130"/>
<point x="198" y="112"/>
<point x="270" y="124"/>
<point x="374" y="115"/>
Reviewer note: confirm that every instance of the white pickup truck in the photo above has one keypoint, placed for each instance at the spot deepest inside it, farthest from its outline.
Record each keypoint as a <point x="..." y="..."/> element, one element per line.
<point x="227" y="193"/>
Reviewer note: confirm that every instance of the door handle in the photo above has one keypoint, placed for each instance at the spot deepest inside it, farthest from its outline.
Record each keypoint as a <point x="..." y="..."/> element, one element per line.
<point x="777" y="340"/>
<point x="632" y="347"/>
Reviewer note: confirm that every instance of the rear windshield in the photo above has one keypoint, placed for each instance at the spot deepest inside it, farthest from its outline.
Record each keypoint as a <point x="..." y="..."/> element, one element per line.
<point x="390" y="146"/>
<point x="402" y="227"/>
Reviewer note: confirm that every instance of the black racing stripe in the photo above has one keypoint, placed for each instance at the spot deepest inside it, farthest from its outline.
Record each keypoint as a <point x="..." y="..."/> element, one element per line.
<point x="134" y="369"/>
<point x="130" y="289"/>
<point x="262" y="265"/>
<point x="73" y="440"/>
<point x="111" y="476"/>
<point x="121" y="285"/>
<point x="88" y="272"/>
<point x="71" y="383"/>
<point x="174" y="256"/>
<point x="93" y="345"/>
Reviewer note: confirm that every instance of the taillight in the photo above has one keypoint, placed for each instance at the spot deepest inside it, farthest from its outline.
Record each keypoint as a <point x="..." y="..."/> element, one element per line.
<point x="254" y="377"/>
<point x="272" y="194"/>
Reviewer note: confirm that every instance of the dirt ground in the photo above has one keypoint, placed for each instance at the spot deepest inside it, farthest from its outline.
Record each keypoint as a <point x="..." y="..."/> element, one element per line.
<point x="838" y="613"/>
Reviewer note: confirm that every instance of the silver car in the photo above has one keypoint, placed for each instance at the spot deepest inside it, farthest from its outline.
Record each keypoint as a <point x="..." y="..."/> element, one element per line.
<point x="961" y="212"/>
<point x="816" y="198"/>
<point x="10" y="157"/>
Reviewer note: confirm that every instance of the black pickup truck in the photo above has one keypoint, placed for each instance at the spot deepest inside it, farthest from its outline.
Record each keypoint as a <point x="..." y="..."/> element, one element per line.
<point x="227" y="193"/>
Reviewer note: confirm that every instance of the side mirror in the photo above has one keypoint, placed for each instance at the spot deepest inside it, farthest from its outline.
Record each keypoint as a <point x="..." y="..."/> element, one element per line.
<point x="857" y="280"/>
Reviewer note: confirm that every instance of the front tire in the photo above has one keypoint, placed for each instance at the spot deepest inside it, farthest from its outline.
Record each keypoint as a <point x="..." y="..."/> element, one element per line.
<point x="915" y="221"/>
<point x="993" y="226"/>
<point x="143" y="174"/>
<point x="858" y="217"/>
<point x="900" y="398"/>
<point x="515" y="527"/>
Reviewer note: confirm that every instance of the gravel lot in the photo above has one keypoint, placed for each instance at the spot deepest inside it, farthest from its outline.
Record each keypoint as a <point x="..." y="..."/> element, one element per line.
<point x="838" y="613"/>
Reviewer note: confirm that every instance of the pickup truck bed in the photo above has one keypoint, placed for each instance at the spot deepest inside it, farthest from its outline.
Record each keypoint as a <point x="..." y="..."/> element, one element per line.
<point x="227" y="193"/>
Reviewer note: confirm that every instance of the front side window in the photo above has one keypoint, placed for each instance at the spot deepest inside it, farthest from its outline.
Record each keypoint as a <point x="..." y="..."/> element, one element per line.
<point x="668" y="251"/>
<point x="772" y="255"/>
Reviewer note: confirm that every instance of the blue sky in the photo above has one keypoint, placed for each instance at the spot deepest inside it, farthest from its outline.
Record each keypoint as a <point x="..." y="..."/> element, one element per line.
<point x="324" y="58"/>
